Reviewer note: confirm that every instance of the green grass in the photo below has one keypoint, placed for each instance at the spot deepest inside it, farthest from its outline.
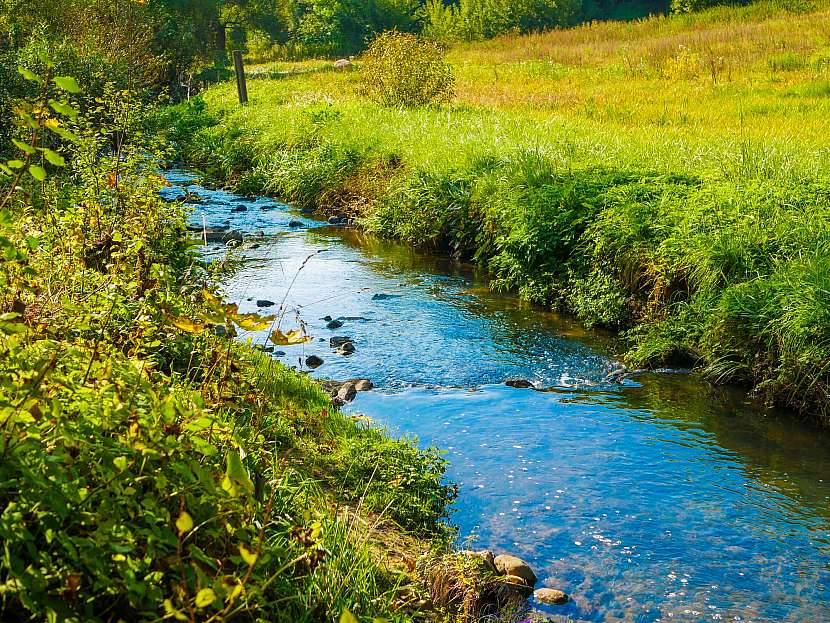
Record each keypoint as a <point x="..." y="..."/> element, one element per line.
<point x="668" y="177"/>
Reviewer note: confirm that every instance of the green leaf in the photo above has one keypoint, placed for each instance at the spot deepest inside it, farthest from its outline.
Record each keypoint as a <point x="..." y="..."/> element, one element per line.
<point x="45" y="59"/>
<point x="205" y="597"/>
<point x="37" y="172"/>
<point x="28" y="75"/>
<point x="348" y="617"/>
<point x="6" y="169"/>
<point x="236" y="476"/>
<point x="54" y="157"/>
<point x="24" y="147"/>
<point x="120" y="462"/>
<point x="184" y="523"/>
<point x="62" y="108"/>
<point x="16" y="164"/>
<point x="67" y="83"/>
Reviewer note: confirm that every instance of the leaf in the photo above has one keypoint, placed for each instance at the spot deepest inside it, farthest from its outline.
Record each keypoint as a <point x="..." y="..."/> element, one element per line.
<point x="186" y="324"/>
<point x="16" y="164"/>
<point x="120" y="462"/>
<point x="24" y="147"/>
<point x="205" y="597"/>
<point x="63" y="108"/>
<point x="236" y="476"/>
<point x="184" y="523"/>
<point x="37" y="172"/>
<point x="6" y="169"/>
<point x="247" y="555"/>
<point x="67" y="83"/>
<point x="54" y="157"/>
<point x="28" y="75"/>
<point x="254" y="322"/>
<point x="291" y="338"/>
<point x="45" y="59"/>
<point x="54" y="125"/>
<point x="173" y="612"/>
<point x="348" y="617"/>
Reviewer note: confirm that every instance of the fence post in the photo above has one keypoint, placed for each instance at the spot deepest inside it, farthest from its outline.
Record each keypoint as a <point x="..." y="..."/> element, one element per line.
<point x="241" y="86"/>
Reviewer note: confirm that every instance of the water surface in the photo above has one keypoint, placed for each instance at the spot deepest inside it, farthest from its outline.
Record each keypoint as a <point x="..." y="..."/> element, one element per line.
<point x="651" y="498"/>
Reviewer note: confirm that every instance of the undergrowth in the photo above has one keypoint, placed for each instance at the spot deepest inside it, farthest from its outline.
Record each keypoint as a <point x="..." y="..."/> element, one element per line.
<point x="151" y="467"/>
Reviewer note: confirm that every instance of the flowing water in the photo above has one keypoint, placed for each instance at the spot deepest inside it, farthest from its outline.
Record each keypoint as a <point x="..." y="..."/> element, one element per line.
<point x="650" y="497"/>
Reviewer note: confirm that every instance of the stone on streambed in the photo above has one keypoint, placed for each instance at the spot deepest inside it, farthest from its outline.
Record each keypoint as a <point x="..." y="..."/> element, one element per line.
<point x="334" y="324"/>
<point x="240" y="208"/>
<point x="222" y="234"/>
<point x="313" y="362"/>
<point x="294" y="224"/>
<point x="513" y="566"/>
<point x="265" y="303"/>
<point x="339" y="340"/>
<point x="346" y="349"/>
<point x="519" y="383"/>
<point x="385" y="297"/>
<point x="551" y="596"/>
<point x="365" y="385"/>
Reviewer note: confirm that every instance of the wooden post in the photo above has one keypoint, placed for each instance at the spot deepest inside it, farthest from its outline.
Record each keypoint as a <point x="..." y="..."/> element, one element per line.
<point x="241" y="86"/>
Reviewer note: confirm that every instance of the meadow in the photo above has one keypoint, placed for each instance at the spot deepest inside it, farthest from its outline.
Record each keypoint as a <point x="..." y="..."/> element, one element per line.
<point x="666" y="177"/>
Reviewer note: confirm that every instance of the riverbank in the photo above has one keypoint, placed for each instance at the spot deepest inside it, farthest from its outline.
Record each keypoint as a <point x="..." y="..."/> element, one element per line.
<point x="153" y="466"/>
<point x="698" y="229"/>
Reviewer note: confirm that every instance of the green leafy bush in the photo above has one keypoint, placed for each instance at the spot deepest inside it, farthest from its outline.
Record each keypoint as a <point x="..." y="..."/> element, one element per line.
<point x="400" y="69"/>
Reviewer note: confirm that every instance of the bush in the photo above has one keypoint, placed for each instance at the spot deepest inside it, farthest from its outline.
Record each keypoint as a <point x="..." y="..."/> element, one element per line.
<point x="400" y="69"/>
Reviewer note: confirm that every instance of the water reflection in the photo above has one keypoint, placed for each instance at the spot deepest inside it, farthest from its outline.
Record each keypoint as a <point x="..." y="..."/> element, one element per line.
<point x="661" y="499"/>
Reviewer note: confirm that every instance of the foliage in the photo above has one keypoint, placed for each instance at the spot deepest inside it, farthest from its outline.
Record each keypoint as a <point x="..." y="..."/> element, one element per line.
<point x="471" y="20"/>
<point x="654" y="204"/>
<point x="400" y="69"/>
<point x="149" y="468"/>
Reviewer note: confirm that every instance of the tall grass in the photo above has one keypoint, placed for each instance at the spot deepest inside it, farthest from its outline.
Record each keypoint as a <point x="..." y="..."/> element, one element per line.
<point x="669" y="177"/>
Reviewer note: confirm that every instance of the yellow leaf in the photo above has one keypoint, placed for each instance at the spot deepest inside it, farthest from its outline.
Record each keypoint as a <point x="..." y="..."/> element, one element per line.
<point x="171" y="611"/>
<point x="247" y="555"/>
<point x="237" y="591"/>
<point x="347" y="617"/>
<point x="184" y="523"/>
<point x="205" y="597"/>
<point x="291" y="338"/>
<point x="254" y="322"/>
<point x="185" y="324"/>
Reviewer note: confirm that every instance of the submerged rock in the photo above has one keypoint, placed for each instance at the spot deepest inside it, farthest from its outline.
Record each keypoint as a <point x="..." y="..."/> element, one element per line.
<point x="295" y="224"/>
<point x="346" y="349"/>
<point x="339" y="340"/>
<point x="240" y="208"/>
<point x="513" y="566"/>
<point x="222" y="234"/>
<point x="519" y="383"/>
<point x="265" y="303"/>
<point x="334" y="324"/>
<point x="385" y="297"/>
<point x="313" y="361"/>
<point x="551" y="596"/>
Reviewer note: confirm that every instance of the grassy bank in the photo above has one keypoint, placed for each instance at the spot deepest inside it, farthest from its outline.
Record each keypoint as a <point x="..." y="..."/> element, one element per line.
<point x="667" y="177"/>
<point x="152" y="468"/>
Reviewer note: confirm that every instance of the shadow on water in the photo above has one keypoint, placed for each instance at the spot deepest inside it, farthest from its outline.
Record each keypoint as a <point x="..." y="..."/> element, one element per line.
<point x="660" y="498"/>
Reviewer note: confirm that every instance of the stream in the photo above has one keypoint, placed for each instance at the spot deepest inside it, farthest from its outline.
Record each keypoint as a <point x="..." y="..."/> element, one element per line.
<point x="650" y="497"/>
